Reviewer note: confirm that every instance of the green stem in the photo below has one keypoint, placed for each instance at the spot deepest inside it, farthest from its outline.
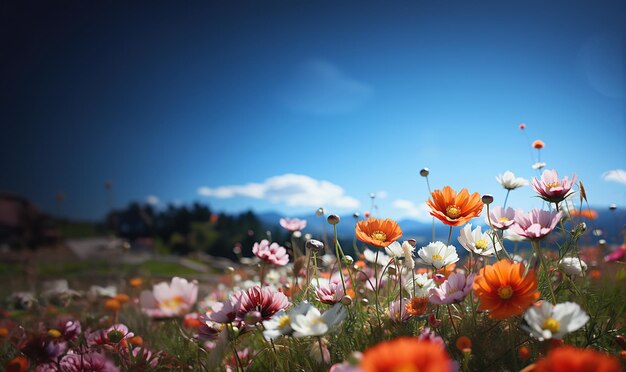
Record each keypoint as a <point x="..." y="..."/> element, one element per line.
<point x="536" y="246"/>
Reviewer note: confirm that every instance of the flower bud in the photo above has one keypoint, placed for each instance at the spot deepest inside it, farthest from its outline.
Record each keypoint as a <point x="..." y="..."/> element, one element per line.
<point x="314" y="245"/>
<point x="364" y="302"/>
<point x="391" y="270"/>
<point x="612" y="207"/>
<point x="372" y="195"/>
<point x="487" y="199"/>
<point x="439" y="278"/>
<point x="346" y="300"/>
<point x="319" y="212"/>
<point x="412" y="242"/>
<point x="253" y="317"/>
<point x="333" y="219"/>
<point x="433" y="321"/>
<point x="356" y="215"/>
<point x="424" y="172"/>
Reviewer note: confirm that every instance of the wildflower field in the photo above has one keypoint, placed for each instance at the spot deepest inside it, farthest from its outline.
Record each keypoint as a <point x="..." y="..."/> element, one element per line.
<point x="505" y="290"/>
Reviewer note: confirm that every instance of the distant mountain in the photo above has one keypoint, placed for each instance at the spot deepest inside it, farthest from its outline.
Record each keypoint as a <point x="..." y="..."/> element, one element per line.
<point x="608" y="226"/>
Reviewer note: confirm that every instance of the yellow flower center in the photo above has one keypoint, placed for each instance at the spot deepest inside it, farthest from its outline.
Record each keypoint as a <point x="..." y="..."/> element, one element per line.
<point x="283" y="321"/>
<point x="379" y="235"/>
<point x="551" y="325"/>
<point x="453" y="211"/>
<point x="503" y="219"/>
<point x="54" y="333"/>
<point x="437" y="257"/>
<point x="406" y="368"/>
<point x="554" y="184"/>
<point x="505" y="292"/>
<point x="481" y="244"/>
<point x="172" y="303"/>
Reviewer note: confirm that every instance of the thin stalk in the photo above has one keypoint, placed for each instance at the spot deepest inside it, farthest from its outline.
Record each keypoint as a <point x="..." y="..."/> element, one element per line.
<point x="508" y="191"/>
<point x="339" y="258"/>
<point x="380" y="322"/>
<point x="456" y="332"/>
<point x="536" y="246"/>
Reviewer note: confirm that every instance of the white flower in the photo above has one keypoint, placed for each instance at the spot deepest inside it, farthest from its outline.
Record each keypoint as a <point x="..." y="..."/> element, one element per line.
<point x="422" y="284"/>
<point x="280" y="323"/>
<point x="511" y="236"/>
<point x="370" y="256"/>
<point x="405" y="251"/>
<point x="510" y="182"/>
<point x="547" y="321"/>
<point x="573" y="266"/>
<point x="539" y="165"/>
<point x="477" y="241"/>
<point x="438" y="254"/>
<point x="313" y="323"/>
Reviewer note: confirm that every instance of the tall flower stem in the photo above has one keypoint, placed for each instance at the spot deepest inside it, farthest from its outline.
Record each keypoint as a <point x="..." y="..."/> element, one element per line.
<point x="308" y="271"/>
<point x="493" y="232"/>
<point x="449" y="235"/>
<point x="339" y="258"/>
<point x="456" y="332"/>
<point x="380" y="322"/>
<point x="430" y="192"/>
<point x="536" y="246"/>
<point x="508" y="191"/>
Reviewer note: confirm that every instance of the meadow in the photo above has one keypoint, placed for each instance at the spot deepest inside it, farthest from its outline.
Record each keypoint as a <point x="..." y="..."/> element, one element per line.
<point x="505" y="290"/>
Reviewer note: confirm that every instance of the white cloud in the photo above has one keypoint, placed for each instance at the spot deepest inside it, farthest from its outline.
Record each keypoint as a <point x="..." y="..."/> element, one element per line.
<point x="295" y="190"/>
<point x="319" y="87"/>
<point x="408" y="209"/>
<point x="152" y="200"/>
<point x="617" y="175"/>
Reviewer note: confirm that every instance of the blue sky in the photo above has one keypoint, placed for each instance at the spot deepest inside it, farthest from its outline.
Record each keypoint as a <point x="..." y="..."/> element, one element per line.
<point x="292" y="105"/>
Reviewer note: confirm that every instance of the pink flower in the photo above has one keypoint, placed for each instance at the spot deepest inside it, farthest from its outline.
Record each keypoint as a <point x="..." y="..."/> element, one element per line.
<point x="274" y="253"/>
<point x="454" y="289"/>
<point x="428" y="335"/>
<point x="293" y="224"/>
<point x="501" y="218"/>
<point x="551" y="188"/>
<point x="616" y="255"/>
<point x="87" y="362"/>
<point x="535" y="225"/>
<point x="266" y="301"/>
<point x="225" y="312"/>
<point x="330" y="292"/>
<point x="169" y="300"/>
<point x="397" y="313"/>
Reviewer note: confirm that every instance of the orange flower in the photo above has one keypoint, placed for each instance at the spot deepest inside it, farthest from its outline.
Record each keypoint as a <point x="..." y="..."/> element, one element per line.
<point x="504" y="291"/>
<point x="538" y="144"/>
<point x="122" y="298"/>
<point x="377" y="232"/>
<point x="135" y="282"/>
<point x="417" y="305"/>
<point x="464" y="344"/>
<point x="588" y="214"/>
<point x="523" y="352"/>
<point x="454" y="209"/>
<point x="112" y="304"/>
<point x="405" y="354"/>
<point x="571" y="359"/>
<point x="17" y="364"/>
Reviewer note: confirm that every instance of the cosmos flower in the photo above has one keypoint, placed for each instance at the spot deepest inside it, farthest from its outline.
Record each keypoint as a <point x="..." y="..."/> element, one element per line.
<point x="552" y="189"/>
<point x="588" y="214"/>
<point x="510" y="182"/>
<point x="454" y="209"/>
<point x="438" y="254"/>
<point x="274" y="253"/>
<point x="406" y="354"/>
<point x="546" y="321"/>
<point x="454" y="289"/>
<point x="379" y="233"/>
<point x="570" y="359"/>
<point x="397" y="311"/>
<point x="417" y="305"/>
<point x="478" y="242"/>
<point x="503" y="289"/>
<point x="313" y="323"/>
<point x="535" y="225"/>
<point x="267" y="301"/>
<point x="404" y="251"/>
<point x="280" y="323"/>
<point x="501" y="218"/>
<point x="573" y="266"/>
<point x="513" y="237"/>
<point x="292" y="224"/>
<point x="87" y="362"/>
<point x="370" y="256"/>
<point x="170" y="300"/>
<point x="329" y="292"/>
<point x="538" y="144"/>
<point x="421" y="284"/>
